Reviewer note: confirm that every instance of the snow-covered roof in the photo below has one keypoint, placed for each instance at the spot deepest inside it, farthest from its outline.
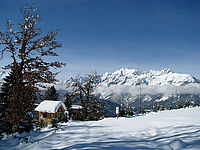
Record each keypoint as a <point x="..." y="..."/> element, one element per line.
<point x="50" y="106"/>
<point x="76" y="107"/>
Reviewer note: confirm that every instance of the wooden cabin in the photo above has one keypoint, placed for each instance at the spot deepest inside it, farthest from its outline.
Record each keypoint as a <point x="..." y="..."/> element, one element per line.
<point x="48" y="110"/>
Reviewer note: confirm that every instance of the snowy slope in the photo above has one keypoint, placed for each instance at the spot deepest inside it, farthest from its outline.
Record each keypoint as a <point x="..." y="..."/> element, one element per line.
<point x="170" y="130"/>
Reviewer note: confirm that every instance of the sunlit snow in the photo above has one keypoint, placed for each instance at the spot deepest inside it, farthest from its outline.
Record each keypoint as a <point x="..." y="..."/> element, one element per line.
<point x="175" y="129"/>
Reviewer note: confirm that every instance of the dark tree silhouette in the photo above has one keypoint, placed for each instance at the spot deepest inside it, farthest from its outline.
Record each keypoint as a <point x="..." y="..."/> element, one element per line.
<point x="51" y="94"/>
<point x="83" y="92"/>
<point x="122" y="112"/>
<point x="27" y="49"/>
<point x="8" y="82"/>
<point x="68" y="102"/>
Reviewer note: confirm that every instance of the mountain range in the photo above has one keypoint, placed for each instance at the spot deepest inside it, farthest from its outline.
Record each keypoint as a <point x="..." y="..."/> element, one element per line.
<point x="132" y="87"/>
<point x="131" y="77"/>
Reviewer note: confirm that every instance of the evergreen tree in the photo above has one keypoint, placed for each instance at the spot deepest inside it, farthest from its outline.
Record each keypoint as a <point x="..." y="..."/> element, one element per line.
<point x="68" y="103"/>
<point x="28" y="50"/>
<point x="170" y="107"/>
<point x="8" y="81"/>
<point x="129" y="111"/>
<point x="11" y="123"/>
<point x="54" y="123"/>
<point x="143" y="109"/>
<point x="51" y="94"/>
<point x="19" y="112"/>
<point x="187" y="103"/>
<point x="122" y="112"/>
<point x="158" y="107"/>
<point x="162" y="106"/>
<point x="180" y="103"/>
<point x="155" y="107"/>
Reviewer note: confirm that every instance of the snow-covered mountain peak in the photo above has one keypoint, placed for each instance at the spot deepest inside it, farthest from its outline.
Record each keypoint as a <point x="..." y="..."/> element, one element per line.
<point x="125" y="71"/>
<point x="131" y="77"/>
<point x="159" y="72"/>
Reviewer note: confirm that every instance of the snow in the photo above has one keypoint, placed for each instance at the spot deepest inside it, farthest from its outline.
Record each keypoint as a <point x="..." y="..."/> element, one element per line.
<point x="3" y="74"/>
<point x="170" y="130"/>
<point x="164" y="98"/>
<point x="152" y="78"/>
<point x="50" y="106"/>
<point x="76" y="107"/>
<point x="124" y="85"/>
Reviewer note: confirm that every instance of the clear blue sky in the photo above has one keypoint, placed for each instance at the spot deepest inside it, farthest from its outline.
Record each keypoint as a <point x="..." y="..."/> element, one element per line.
<point x="106" y="35"/>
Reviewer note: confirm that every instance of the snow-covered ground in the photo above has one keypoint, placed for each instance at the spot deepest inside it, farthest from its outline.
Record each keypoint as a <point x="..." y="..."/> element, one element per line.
<point x="175" y="129"/>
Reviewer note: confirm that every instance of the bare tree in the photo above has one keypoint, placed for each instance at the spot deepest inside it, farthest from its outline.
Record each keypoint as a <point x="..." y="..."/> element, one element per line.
<point x="83" y="92"/>
<point x="28" y="49"/>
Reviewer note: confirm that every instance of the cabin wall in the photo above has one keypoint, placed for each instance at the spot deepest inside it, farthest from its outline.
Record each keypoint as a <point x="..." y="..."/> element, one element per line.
<point x="61" y="109"/>
<point x="48" y="117"/>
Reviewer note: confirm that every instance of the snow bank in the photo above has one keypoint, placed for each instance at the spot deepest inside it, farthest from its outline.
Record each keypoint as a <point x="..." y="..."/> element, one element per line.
<point x="76" y="107"/>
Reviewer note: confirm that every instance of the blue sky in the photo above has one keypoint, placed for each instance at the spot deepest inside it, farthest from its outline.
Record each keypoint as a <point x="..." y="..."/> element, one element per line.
<point x="106" y="35"/>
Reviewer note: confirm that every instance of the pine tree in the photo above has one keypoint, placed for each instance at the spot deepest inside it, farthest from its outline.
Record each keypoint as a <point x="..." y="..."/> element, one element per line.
<point x="122" y="112"/>
<point x="187" y="103"/>
<point x="68" y="103"/>
<point x="11" y="123"/>
<point x="143" y="109"/>
<point x="162" y="106"/>
<point x="54" y="123"/>
<point x="180" y="103"/>
<point x="51" y="94"/>
<point x="170" y="107"/>
<point x="159" y="106"/>
<point x="129" y="111"/>
<point x="8" y="81"/>
<point x="28" y="51"/>
<point x="155" y="107"/>
<point x="20" y="107"/>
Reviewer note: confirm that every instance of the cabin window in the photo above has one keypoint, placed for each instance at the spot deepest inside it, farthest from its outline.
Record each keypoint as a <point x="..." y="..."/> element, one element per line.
<point x="44" y="115"/>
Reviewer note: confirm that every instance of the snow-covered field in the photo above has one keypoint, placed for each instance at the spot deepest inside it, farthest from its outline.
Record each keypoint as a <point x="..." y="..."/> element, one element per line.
<point x="176" y="129"/>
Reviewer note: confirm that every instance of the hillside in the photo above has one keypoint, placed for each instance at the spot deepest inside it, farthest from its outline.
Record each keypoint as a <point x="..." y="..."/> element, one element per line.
<point x="176" y="129"/>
